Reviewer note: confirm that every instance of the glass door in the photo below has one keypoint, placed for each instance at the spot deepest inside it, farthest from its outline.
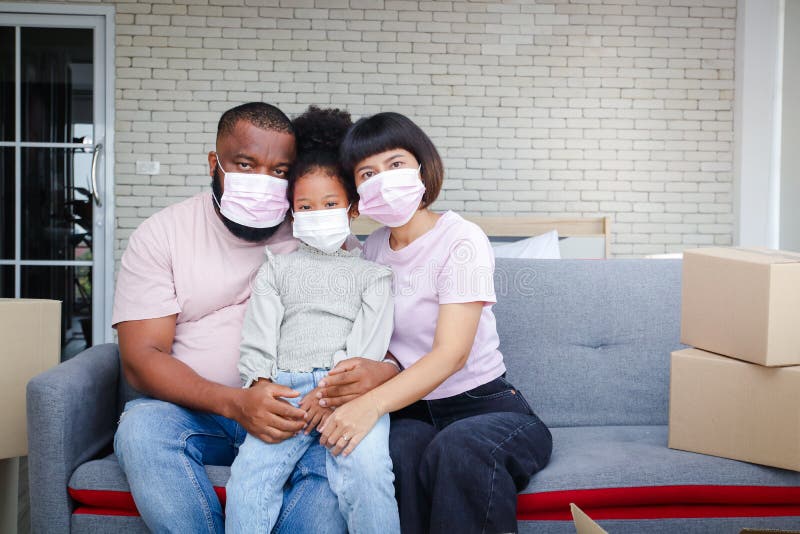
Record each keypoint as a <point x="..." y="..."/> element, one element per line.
<point x="53" y="194"/>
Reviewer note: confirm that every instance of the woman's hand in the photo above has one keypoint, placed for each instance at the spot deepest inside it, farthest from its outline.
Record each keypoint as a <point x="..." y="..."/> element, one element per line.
<point x="347" y="425"/>
<point x="351" y="379"/>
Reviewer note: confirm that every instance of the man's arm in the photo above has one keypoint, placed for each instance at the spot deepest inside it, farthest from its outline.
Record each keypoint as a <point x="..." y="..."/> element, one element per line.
<point x="146" y="351"/>
<point x="352" y="378"/>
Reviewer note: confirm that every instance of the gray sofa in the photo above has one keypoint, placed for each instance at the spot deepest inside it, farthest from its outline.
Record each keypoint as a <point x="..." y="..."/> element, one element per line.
<point x="588" y="342"/>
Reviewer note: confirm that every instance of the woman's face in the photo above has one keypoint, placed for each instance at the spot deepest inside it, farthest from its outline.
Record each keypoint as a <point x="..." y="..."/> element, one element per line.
<point x="396" y="158"/>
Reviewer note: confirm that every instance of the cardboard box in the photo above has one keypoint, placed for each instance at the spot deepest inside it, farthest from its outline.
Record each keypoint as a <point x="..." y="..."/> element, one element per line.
<point x="30" y="337"/>
<point x="742" y="303"/>
<point x="586" y="525"/>
<point x="734" y="409"/>
<point x="583" y="523"/>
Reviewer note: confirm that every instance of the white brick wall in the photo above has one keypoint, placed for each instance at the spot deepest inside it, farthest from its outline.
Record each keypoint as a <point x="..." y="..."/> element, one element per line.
<point x="581" y="107"/>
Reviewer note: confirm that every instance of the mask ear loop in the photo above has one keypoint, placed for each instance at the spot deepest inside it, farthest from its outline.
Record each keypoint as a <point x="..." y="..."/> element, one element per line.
<point x="419" y="173"/>
<point x="217" y="201"/>
<point x="219" y="164"/>
<point x="350" y="218"/>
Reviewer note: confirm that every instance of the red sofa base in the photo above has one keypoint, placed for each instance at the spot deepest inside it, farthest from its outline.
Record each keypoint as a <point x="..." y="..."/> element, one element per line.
<point x="659" y="502"/>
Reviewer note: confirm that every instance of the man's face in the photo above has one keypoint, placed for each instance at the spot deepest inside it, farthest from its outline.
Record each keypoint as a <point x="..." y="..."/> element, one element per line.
<point x="250" y="149"/>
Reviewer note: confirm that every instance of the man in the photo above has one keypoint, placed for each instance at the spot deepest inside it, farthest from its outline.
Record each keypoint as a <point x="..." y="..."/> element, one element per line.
<point x="179" y="306"/>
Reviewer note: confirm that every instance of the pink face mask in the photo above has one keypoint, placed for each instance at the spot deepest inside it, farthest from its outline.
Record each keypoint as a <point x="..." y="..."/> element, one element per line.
<point x="253" y="200"/>
<point x="391" y="197"/>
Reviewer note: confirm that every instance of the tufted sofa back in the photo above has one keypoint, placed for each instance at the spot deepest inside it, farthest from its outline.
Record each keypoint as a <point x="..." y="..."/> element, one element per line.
<point x="588" y="341"/>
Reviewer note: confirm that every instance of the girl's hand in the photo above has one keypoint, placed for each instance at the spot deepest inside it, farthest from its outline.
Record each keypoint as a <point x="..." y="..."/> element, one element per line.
<point x="315" y="414"/>
<point x="347" y="425"/>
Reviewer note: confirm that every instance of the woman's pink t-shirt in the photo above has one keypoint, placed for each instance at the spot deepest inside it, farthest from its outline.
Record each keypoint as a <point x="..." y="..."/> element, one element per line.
<point x="451" y="263"/>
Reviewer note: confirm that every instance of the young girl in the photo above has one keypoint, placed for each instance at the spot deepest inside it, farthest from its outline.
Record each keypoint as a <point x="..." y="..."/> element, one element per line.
<point x="464" y="440"/>
<point x="308" y="311"/>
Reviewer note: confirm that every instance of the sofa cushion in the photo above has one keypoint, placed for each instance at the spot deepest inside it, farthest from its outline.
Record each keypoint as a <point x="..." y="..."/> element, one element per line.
<point x="617" y="472"/>
<point x="630" y="467"/>
<point x="104" y="524"/>
<point x="588" y="341"/>
<point x="100" y="486"/>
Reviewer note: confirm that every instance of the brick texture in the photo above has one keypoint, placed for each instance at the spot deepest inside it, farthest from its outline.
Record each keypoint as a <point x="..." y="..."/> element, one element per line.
<point x="553" y="108"/>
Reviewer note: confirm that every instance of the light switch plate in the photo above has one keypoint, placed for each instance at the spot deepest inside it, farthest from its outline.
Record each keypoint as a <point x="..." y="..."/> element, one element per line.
<point x="148" y="167"/>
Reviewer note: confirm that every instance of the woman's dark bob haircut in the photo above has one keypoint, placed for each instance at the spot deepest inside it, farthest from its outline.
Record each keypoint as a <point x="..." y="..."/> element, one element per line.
<point x="386" y="131"/>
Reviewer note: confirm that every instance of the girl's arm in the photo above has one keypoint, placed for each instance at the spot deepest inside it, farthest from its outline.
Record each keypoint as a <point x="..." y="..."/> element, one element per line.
<point x="367" y="346"/>
<point x="456" y="327"/>
<point x="258" y="350"/>
<point x="372" y="328"/>
<point x="369" y="337"/>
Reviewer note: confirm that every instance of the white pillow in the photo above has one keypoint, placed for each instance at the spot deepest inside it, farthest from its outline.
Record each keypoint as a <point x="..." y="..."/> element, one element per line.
<point x="540" y="247"/>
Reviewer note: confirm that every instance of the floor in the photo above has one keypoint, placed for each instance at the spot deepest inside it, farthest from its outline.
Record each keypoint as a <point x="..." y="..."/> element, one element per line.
<point x="24" y="507"/>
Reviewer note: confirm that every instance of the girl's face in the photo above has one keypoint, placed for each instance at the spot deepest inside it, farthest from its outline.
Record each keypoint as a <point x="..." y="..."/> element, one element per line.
<point x="396" y="158"/>
<point x="318" y="190"/>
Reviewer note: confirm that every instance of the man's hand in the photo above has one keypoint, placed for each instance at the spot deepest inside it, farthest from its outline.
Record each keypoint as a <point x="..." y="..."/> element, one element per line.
<point x="263" y="413"/>
<point x="351" y="379"/>
<point x="315" y="414"/>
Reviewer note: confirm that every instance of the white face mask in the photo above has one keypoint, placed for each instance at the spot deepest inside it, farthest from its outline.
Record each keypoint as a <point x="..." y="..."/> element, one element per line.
<point x="324" y="230"/>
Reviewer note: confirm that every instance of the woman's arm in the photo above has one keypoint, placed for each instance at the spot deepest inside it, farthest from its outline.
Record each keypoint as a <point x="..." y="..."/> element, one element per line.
<point x="456" y="327"/>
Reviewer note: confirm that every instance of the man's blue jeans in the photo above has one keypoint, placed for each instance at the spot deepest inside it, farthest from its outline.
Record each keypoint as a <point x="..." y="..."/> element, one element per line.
<point x="361" y="480"/>
<point x="163" y="448"/>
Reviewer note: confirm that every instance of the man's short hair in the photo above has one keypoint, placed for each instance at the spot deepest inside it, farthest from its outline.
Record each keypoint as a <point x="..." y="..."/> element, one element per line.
<point x="259" y="114"/>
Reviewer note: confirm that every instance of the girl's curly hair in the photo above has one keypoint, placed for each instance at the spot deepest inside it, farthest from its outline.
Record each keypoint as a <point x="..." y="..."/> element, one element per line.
<point x="319" y="133"/>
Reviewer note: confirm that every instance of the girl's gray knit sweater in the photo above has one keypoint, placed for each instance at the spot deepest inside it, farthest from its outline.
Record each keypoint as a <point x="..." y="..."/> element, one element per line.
<point x="311" y="309"/>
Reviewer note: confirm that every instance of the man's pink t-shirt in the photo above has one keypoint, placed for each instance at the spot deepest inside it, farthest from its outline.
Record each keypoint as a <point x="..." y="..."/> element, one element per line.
<point x="451" y="263"/>
<point x="183" y="261"/>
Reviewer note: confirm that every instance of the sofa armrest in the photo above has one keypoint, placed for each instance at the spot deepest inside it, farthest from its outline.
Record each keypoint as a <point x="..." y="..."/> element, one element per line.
<point x="72" y="410"/>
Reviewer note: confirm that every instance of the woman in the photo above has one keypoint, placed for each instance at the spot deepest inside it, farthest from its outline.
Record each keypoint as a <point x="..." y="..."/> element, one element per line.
<point x="463" y="440"/>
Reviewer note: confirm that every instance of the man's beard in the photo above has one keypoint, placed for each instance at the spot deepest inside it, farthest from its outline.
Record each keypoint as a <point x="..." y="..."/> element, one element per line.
<point x="253" y="235"/>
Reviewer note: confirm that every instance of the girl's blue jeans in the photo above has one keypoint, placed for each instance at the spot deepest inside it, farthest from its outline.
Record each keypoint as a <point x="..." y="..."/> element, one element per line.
<point x="362" y="481"/>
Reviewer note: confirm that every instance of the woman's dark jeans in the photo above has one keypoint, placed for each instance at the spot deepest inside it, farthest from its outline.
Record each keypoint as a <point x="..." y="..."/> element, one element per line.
<point x="459" y="462"/>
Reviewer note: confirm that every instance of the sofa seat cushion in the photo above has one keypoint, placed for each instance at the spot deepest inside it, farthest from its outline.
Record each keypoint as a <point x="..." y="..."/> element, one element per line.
<point x="627" y="472"/>
<point x="100" y="487"/>
<point x="616" y="472"/>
